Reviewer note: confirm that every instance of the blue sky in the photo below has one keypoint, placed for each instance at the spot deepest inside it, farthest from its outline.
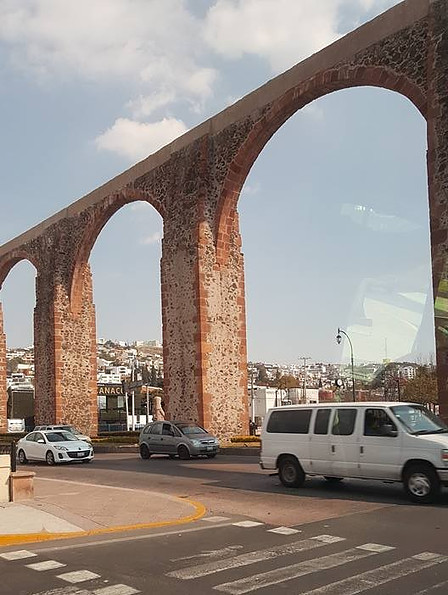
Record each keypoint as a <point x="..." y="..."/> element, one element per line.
<point x="333" y="214"/>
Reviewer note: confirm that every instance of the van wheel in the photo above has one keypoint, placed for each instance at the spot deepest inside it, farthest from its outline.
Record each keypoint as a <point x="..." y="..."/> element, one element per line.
<point x="333" y="479"/>
<point x="421" y="483"/>
<point x="144" y="451"/>
<point x="183" y="452"/>
<point x="290" y="472"/>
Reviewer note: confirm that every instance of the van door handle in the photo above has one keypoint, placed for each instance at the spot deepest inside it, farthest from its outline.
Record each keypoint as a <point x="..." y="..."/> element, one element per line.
<point x="361" y="449"/>
<point x="333" y="448"/>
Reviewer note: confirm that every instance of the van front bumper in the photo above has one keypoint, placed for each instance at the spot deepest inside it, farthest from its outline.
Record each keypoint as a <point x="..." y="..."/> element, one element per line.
<point x="443" y="475"/>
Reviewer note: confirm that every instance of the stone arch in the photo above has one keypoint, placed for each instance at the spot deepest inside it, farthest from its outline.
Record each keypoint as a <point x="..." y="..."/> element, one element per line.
<point x="14" y="258"/>
<point x="97" y="220"/>
<point x="324" y="83"/>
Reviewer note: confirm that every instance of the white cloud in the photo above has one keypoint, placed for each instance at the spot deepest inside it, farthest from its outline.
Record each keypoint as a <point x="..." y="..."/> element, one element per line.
<point x="153" y="46"/>
<point x="282" y="31"/>
<point x="154" y="238"/>
<point x="136" y="140"/>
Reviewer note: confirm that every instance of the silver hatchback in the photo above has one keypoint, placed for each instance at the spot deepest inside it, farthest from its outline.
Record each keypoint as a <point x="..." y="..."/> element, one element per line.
<point x="182" y="439"/>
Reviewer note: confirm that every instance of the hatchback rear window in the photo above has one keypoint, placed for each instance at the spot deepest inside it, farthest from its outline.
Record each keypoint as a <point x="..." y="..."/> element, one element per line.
<point x="289" y="422"/>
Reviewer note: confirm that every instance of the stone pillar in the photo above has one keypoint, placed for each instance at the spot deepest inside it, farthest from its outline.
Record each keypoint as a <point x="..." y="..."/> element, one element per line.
<point x="222" y="327"/>
<point x="3" y="373"/>
<point x="75" y="334"/>
<point x="45" y="398"/>
<point x="437" y="118"/>
<point x="65" y="351"/>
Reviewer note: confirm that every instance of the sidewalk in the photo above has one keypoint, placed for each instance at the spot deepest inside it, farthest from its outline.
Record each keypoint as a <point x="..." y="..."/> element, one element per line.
<point x="62" y="509"/>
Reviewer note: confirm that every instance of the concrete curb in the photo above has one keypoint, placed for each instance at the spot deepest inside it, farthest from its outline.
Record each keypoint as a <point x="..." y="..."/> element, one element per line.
<point x="17" y="539"/>
<point x="133" y="448"/>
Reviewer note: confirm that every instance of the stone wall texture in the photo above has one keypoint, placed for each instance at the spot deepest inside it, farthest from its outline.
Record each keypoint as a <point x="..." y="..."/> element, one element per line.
<point x="195" y="184"/>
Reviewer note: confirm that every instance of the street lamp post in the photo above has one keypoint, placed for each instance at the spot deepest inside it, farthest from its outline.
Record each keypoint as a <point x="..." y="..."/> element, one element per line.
<point x="339" y="339"/>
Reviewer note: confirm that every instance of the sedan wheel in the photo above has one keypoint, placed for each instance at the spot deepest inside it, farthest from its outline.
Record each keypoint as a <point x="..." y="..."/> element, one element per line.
<point x="49" y="457"/>
<point x="22" y="457"/>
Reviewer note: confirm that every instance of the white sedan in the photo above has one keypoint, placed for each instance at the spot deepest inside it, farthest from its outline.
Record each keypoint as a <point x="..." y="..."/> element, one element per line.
<point x="57" y="446"/>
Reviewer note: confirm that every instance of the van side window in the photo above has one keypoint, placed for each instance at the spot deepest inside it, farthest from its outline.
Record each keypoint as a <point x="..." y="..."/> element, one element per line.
<point x="374" y="422"/>
<point x="289" y="421"/>
<point x="322" y="419"/>
<point x="344" y="422"/>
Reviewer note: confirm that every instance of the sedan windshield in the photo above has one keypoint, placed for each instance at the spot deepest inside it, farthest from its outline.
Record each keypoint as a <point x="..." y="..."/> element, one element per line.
<point x="190" y="429"/>
<point x="418" y="420"/>
<point x="60" y="436"/>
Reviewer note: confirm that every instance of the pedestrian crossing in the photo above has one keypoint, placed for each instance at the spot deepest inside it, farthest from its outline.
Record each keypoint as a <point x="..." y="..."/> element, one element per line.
<point x="384" y="572"/>
<point x="306" y="566"/>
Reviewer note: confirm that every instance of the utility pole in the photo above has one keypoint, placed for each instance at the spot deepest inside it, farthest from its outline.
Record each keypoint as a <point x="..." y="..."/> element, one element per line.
<point x="304" y="378"/>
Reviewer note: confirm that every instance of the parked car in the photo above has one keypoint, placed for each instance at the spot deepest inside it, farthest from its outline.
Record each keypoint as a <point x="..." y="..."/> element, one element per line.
<point x="53" y="446"/>
<point x="182" y="439"/>
<point x="67" y="428"/>
<point x="388" y="441"/>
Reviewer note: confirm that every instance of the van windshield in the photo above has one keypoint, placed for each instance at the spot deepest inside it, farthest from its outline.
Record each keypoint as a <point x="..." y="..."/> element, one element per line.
<point x="418" y="420"/>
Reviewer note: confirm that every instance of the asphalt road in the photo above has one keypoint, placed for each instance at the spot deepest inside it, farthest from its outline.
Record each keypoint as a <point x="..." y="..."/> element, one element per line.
<point x="334" y="540"/>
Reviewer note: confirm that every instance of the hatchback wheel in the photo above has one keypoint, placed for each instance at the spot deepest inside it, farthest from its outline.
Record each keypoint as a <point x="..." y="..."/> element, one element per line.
<point x="183" y="452"/>
<point x="22" y="457"/>
<point x="290" y="472"/>
<point x="421" y="483"/>
<point x="144" y="451"/>
<point x="49" y="457"/>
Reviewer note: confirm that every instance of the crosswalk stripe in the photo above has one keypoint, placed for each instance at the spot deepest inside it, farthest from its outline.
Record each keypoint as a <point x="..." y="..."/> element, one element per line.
<point x="432" y="588"/>
<point x="17" y="555"/>
<point x="116" y="590"/>
<point x="280" y="575"/>
<point x="379" y="576"/>
<point x="78" y="576"/>
<point x="199" y="570"/>
<point x="46" y="565"/>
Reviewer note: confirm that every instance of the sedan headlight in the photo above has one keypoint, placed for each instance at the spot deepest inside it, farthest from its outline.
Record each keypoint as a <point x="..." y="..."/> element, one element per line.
<point x="196" y="442"/>
<point x="445" y="456"/>
<point x="60" y="448"/>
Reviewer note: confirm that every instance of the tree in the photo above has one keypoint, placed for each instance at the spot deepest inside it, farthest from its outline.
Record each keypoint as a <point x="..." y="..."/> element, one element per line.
<point x="262" y="377"/>
<point x="423" y="387"/>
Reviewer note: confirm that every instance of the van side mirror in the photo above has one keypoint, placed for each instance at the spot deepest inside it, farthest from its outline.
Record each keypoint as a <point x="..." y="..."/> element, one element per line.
<point x="389" y="430"/>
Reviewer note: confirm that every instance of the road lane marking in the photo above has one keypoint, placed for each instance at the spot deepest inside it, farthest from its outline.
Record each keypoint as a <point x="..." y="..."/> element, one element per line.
<point x="380" y="576"/>
<point x="46" y="565"/>
<point x="200" y="570"/>
<point x="225" y="551"/>
<point x="284" y="531"/>
<point x="280" y="575"/>
<point x="216" y="519"/>
<point x="132" y="538"/>
<point x="17" y="555"/>
<point x="78" y="576"/>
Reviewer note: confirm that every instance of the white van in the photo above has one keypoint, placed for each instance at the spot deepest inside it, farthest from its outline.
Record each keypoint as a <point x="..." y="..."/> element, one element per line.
<point x="389" y="441"/>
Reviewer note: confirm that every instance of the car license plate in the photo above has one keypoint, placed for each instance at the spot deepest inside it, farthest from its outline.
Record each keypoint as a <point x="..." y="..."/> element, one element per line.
<point x="80" y="454"/>
<point x="209" y="447"/>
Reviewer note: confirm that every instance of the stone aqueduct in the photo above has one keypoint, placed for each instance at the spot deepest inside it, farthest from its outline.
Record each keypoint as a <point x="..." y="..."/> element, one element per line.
<point x="194" y="183"/>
